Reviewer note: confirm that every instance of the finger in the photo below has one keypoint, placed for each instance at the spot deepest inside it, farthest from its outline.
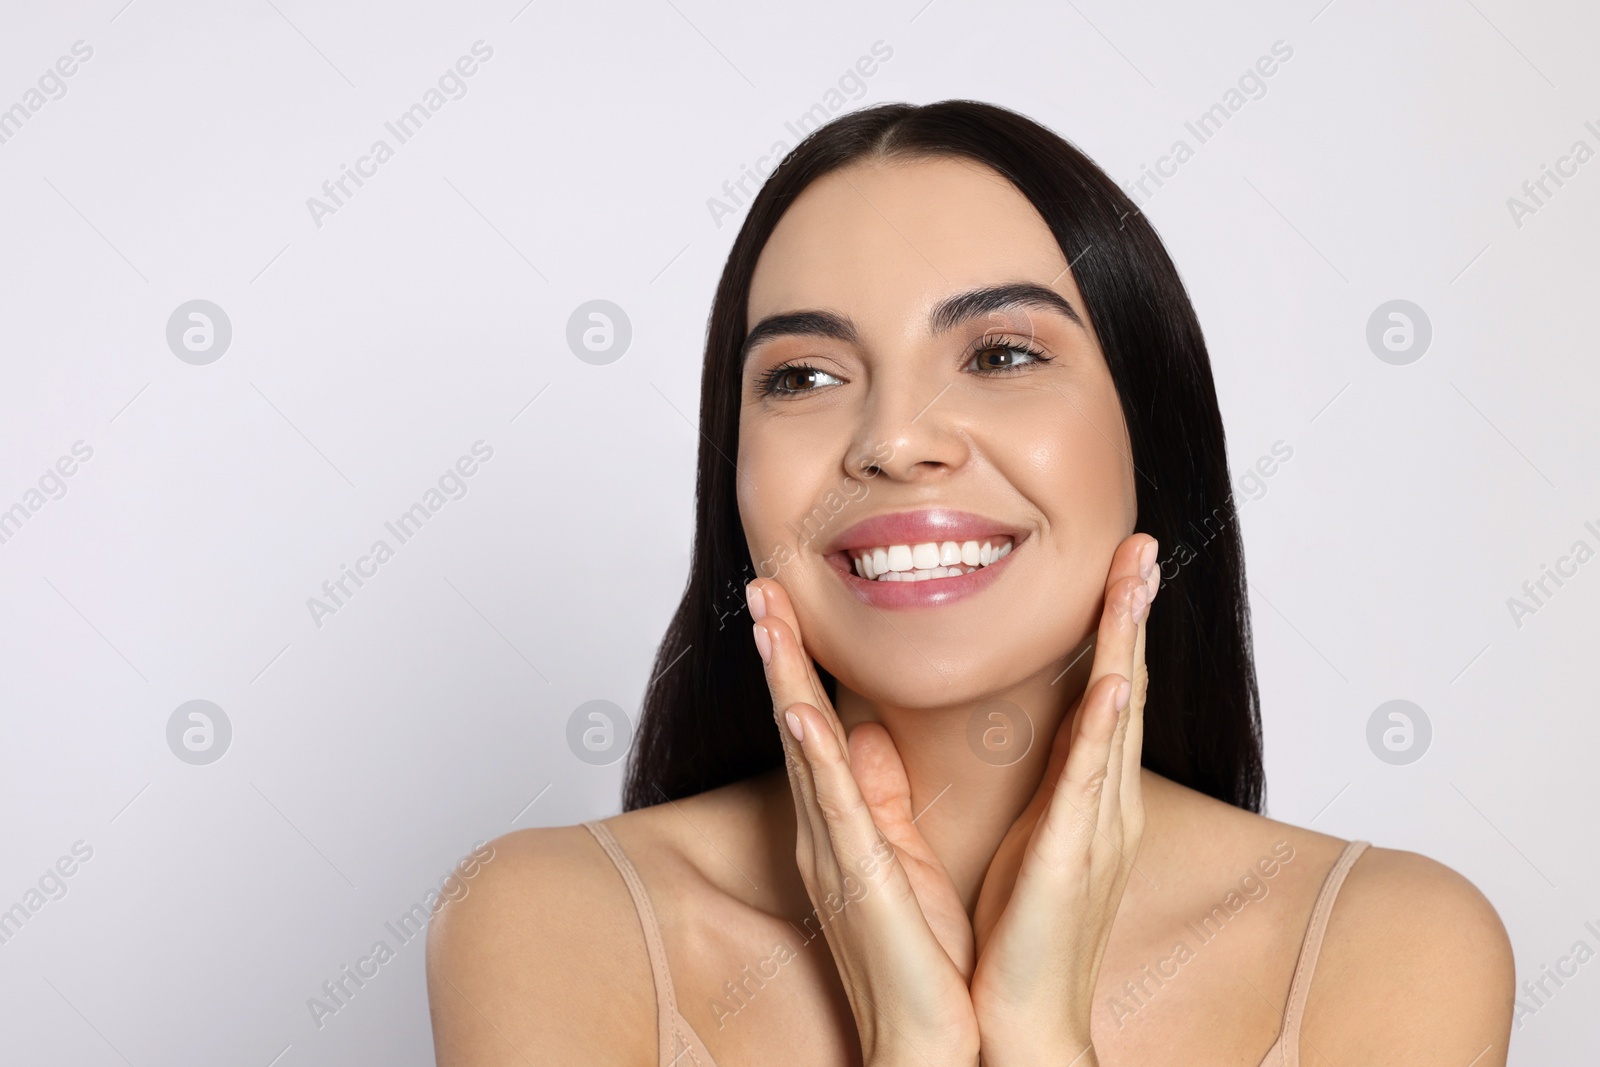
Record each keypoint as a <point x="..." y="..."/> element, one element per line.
<point x="1108" y="819"/>
<point x="808" y="826"/>
<point x="1127" y="591"/>
<point x="1131" y="786"/>
<point x="1150" y="574"/>
<point x="839" y="822"/>
<point x="781" y="689"/>
<point x="847" y="833"/>
<point x="881" y="775"/>
<point x="789" y="691"/>
<point x="847" y="818"/>
<point x="770" y="600"/>
<point x="1116" y="637"/>
<point x="1120" y="764"/>
<point x="790" y="675"/>
<point x="1153" y="581"/>
<point x="1070" y="822"/>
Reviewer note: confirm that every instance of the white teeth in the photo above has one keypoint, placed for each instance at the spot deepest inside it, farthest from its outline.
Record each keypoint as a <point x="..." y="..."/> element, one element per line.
<point x="930" y="559"/>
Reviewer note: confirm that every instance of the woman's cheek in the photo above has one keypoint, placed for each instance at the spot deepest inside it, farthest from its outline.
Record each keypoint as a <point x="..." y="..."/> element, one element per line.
<point x="760" y="491"/>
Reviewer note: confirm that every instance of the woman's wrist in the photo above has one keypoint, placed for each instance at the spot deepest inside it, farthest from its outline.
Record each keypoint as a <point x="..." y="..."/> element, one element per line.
<point x="896" y="1049"/>
<point x="1030" y="1050"/>
<point x="909" y="1057"/>
<point x="1084" y="1056"/>
<point x="902" y="1054"/>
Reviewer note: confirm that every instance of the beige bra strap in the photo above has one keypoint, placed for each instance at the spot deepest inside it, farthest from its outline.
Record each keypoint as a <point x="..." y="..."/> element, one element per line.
<point x="666" y="999"/>
<point x="1311" y="947"/>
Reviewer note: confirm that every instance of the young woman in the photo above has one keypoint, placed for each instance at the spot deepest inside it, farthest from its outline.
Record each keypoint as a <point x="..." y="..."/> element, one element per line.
<point x="914" y="798"/>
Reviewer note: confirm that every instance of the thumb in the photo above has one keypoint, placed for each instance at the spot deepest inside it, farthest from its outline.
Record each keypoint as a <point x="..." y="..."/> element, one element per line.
<point x="881" y="775"/>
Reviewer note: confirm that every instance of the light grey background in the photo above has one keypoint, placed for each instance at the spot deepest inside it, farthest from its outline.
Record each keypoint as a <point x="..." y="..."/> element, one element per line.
<point x="430" y="312"/>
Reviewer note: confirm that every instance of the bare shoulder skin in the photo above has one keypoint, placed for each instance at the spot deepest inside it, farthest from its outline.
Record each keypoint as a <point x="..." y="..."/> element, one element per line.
<point x="1421" y="956"/>
<point x="542" y="961"/>
<point x="545" y="960"/>
<point x="1415" y="965"/>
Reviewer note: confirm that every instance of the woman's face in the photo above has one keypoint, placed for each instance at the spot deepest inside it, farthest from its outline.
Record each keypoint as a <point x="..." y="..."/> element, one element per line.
<point x="921" y="370"/>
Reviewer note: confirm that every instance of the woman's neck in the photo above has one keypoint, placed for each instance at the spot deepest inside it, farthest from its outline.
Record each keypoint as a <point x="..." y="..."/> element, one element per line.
<point x="974" y="766"/>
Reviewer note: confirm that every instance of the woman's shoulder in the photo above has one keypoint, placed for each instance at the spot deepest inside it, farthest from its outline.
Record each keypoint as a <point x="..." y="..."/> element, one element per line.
<point x="546" y="954"/>
<point x="543" y="956"/>
<point x="1410" y="931"/>
<point x="1411" y="947"/>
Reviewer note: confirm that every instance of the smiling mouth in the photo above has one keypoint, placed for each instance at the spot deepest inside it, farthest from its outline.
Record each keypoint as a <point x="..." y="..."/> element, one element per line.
<point x="927" y="561"/>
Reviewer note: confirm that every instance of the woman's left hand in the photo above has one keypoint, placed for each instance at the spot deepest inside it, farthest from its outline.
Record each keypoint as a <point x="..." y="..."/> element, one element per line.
<point x="1046" y="906"/>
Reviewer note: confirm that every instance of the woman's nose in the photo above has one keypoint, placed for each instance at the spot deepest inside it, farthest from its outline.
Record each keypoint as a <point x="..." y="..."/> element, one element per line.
<point x="909" y="434"/>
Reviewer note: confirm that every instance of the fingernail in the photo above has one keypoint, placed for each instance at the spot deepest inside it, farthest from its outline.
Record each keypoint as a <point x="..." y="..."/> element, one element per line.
<point x="795" y="728"/>
<point x="1124" y="691"/>
<point x="1141" y="603"/>
<point x="757" y="601"/>
<point x="1147" y="559"/>
<point x="763" y="643"/>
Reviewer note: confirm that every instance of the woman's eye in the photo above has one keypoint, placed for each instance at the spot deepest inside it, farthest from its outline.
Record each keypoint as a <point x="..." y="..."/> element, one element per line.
<point x="787" y="381"/>
<point x="1003" y="357"/>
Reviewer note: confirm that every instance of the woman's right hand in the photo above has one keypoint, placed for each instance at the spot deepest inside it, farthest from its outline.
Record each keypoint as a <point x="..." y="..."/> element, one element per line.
<point x="899" y="935"/>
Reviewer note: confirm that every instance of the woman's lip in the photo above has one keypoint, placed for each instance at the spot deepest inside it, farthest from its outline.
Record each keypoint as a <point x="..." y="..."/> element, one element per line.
<point x="925" y="525"/>
<point x="929" y="593"/>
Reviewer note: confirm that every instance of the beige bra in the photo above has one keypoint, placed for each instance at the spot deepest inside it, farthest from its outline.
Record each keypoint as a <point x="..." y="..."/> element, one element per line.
<point x="681" y="1046"/>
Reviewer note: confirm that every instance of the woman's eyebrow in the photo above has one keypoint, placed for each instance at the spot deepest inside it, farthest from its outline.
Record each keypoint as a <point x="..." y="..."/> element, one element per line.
<point x="954" y="310"/>
<point x="948" y="313"/>
<point x="801" y="323"/>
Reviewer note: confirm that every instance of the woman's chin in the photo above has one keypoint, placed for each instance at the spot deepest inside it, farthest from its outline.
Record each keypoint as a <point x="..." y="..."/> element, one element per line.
<point x="911" y="683"/>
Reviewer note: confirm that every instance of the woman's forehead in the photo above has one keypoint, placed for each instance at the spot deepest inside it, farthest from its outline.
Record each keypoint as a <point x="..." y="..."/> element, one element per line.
<point x="885" y="239"/>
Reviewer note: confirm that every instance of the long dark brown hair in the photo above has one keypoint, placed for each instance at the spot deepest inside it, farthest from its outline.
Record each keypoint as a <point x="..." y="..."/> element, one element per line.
<point x="706" y="718"/>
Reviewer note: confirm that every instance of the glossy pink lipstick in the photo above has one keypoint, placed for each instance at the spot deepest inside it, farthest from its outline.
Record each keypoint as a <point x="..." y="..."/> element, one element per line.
<point x="896" y="537"/>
